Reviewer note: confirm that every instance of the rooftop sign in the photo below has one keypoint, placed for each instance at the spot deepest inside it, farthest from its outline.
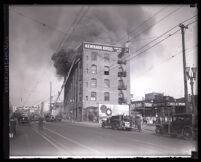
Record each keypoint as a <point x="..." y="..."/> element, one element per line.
<point x="105" y="48"/>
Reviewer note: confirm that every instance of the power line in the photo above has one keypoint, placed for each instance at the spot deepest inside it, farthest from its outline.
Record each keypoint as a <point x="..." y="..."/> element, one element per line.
<point x="142" y="23"/>
<point x="73" y="24"/>
<point x="169" y="58"/>
<point x="74" y="27"/>
<point x="68" y="39"/>
<point x="37" y="21"/>
<point x="148" y="48"/>
<point x="156" y="22"/>
<point x="164" y="33"/>
<point x="61" y="42"/>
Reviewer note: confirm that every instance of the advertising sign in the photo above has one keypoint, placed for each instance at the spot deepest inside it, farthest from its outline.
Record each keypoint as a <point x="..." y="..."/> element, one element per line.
<point x="171" y="104"/>
<point x="107" y="110"/>
<point x="147" y="104"/>
<point x="105" y="48"/>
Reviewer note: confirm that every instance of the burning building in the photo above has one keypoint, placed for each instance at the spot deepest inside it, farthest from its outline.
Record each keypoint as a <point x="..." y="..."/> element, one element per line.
<point x="99" y="76"/>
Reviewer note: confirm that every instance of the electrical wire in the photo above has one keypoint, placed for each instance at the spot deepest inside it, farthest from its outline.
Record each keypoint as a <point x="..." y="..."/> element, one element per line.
<point x="133" y="56"/>
<point x="162" y="9"/>
<point x="169" y="14"/>
<point x="37" y="21"/>
<point x="188" y="51"/>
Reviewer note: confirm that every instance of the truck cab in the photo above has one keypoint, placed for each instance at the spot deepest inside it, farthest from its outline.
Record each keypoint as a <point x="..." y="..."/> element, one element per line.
<point x="118" y="122"/>
<point x="183" y="125"/>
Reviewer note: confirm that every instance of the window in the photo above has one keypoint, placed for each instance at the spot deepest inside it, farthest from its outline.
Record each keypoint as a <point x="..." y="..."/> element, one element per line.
<point x="106" y="96"/>
<point x="93" y="83"/>
<point x="94" y="56"/>
<point x="86" y="57"/>
<point x="93" y="96"/>
<point x="93" y="69"/>
<point x="87" y="70"/>
<point x="106" y="57"/>
<point x="106" y="83"/>
<point x="121" y="83"/>
<point x="86" y="98"/>
<point x="86" y="83"/>
<point x="106" y="70"/>
<point x="121" y="69"/>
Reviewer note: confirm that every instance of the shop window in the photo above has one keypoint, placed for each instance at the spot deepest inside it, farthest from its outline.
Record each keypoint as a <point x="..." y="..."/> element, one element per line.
<point x="93" y="96"/>
<point x="106" y="96"/>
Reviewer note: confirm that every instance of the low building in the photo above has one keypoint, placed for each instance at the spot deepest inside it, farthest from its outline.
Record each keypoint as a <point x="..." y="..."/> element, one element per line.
<point x="162" y="106"/>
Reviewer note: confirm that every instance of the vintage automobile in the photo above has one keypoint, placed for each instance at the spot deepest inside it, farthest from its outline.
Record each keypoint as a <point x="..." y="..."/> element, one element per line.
<point x="181" y="125"/>
<point x="23" y="118"/>
<point x="123" y="122"/>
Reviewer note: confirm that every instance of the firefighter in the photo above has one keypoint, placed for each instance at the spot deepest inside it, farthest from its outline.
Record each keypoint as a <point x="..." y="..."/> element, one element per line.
<point x="40" y="123"/>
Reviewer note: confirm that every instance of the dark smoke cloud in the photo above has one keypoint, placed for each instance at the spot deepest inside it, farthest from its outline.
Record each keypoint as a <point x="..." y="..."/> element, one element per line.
<point x="62" y="61"/>
<point x="104" y="24"/>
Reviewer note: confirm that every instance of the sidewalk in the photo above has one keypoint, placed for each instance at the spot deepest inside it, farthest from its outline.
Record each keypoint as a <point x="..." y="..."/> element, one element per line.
<point x="149" y="127"/>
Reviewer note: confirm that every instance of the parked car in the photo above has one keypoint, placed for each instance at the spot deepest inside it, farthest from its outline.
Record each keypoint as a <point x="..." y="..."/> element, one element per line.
<point x="181" y="125"/>
<point x="118" y="122"/>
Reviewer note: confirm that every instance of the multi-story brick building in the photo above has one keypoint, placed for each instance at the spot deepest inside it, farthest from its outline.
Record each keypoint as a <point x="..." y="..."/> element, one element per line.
<point x="100" y="76"/>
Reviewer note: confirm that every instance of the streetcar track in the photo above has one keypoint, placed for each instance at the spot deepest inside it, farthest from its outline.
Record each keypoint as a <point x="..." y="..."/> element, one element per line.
<point x="73" y="141"/>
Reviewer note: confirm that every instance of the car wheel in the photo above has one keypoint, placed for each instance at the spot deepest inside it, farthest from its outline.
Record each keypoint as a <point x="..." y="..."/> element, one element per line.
<point x="187" y="134"/>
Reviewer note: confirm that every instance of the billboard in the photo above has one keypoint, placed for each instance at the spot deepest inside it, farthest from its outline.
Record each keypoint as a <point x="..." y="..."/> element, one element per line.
<point x="107" y="110"/>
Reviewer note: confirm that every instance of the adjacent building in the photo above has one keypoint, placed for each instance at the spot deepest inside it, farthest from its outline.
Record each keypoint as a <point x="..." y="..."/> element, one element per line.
<point x="158" y="105"/>
<point x="99" y="76"/>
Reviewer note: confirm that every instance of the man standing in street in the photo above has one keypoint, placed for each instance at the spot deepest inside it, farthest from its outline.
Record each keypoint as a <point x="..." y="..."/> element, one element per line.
<point x="12" y="127"/>
<point x="139" y="123"/>
<point x="40" y="123"/>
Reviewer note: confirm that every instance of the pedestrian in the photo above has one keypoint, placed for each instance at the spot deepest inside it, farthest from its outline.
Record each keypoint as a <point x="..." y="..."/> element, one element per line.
<point x="12" y="127"/>
<point x="144" y="120"/>
<point x="40" y="124"/>
<point x="139" y="123"/>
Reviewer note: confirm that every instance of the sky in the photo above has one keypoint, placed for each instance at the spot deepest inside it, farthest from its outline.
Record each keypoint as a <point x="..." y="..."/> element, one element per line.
<point x="36" y="32"/>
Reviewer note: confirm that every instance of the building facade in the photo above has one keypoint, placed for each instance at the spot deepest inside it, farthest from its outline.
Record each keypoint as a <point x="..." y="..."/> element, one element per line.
<point x="158" y="106"/>
<point x="100" y="76"/>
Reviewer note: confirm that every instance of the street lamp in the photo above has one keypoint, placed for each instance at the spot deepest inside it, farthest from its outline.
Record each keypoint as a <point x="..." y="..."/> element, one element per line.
<point x="192" y="76"/>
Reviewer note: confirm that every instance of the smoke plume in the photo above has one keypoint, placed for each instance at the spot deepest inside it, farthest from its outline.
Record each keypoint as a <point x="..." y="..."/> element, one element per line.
<point x="102" y="24"/>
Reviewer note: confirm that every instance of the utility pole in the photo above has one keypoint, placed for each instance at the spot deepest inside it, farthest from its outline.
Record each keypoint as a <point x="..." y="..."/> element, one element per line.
<point x="50" y="97"/>
<point x="184" y="65"/>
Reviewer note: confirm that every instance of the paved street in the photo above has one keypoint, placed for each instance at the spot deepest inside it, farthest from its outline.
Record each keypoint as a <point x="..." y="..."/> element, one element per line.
<point x="71" y="139"/>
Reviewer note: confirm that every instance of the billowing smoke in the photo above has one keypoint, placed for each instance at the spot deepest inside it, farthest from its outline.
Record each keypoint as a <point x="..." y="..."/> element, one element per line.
<point x="102" y="24"/>
<point x="62" y="61"/>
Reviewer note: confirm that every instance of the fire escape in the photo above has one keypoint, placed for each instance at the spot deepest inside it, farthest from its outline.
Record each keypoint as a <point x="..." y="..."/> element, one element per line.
<point x="121" y="74"/>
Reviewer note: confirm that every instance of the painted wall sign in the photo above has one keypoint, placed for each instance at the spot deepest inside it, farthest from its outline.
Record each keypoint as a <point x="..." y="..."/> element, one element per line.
<point x="105" y="48"/>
